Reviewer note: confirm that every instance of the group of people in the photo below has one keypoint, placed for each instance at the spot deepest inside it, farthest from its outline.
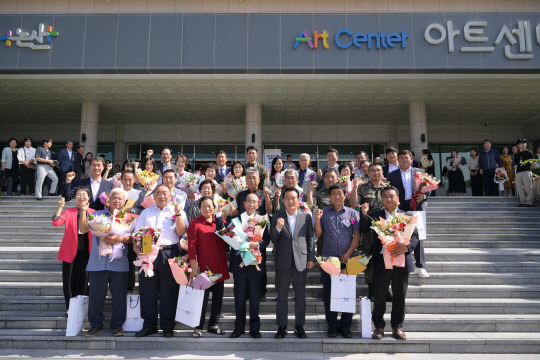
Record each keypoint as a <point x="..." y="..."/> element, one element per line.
<point x="482" y="166"/>
<point x="338" y="224"/>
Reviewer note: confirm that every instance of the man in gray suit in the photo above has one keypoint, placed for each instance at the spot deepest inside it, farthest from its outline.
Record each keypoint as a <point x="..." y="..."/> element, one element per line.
<point x="292" y="233"/>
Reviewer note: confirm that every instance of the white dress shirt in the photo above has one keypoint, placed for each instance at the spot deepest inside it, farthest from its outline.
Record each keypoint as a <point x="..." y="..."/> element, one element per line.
<point x="70" y="153"/>
<point x="292" y="222"/>
<point x="95" y="187"/>
<point x="406" y="178"/>
<point x="392" y="167"/>
<point x="161" y="219"/>
<point x="25" y="154"/>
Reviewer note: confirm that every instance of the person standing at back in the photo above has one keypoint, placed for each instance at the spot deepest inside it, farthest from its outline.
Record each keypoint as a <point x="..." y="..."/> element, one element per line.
<point x="524" y="187"/>
<point x="488" y="161"/>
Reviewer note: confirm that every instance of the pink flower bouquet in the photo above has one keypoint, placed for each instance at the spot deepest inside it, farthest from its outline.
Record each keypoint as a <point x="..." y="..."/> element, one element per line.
<point x="423" y="184"/>
<point x="146" y="261"/>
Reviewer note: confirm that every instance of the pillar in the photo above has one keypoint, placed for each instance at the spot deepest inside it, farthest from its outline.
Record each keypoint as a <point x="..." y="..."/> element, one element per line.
<point x="120" y="147"/>
<point x="392" y="136"/>
<point x="254" y="128"/>
<point x="89" y="126"/>
<point x="418" y="127"/>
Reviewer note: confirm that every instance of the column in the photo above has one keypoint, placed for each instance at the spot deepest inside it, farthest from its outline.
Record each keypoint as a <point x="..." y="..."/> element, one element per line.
<point x="120" y="147"/>
<point x="254" y="127"/>
<point x="418" y="127"/>
<point x="89" y="126"/>
<point x="392" y="136"/>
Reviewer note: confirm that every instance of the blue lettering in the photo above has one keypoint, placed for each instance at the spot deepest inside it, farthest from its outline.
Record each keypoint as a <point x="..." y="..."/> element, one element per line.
<point x="391" y="38"/>
<point x="404" y="36"/>
<point x="378" y="43"/>
<point x="383" y="38"/>
<point x="358" y="39"/>
<point x="339" y="43"/>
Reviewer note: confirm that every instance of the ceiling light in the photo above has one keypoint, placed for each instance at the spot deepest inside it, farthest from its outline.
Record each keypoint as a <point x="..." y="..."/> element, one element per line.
<point x="114" y="88"/>
<point x="223" y="89"/>
<point x="168" y="88"/>
<point x="277" y="89"/>
<point x="387" y="89"/>
<point x="333" y="89"/>
<point x="60" y="88"/>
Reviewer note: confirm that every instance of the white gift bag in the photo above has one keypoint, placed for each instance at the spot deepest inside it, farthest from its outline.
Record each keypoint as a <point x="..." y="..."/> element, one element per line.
<point x="343" y="293"/>
<point x="365" y="317"/>
<point x="78" y="311"/>
<point x="189" y="306"/>
<point x="421" y="225"/>
<point x="133" y="322"/>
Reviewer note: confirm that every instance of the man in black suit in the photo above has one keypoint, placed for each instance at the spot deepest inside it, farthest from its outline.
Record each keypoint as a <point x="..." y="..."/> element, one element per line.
<point x="247" y="278"/>
<point x="399" y="276"/>
<point x="166" y="161"/>
<point x="95" y="183"/>
<point x="223" y="169"/>
<point x="66" y="161"/>
<point x="403" y="180"/>
<point x="292" y="234"/>
<point x="392" y="161"/>
<point x="79" y="162"/>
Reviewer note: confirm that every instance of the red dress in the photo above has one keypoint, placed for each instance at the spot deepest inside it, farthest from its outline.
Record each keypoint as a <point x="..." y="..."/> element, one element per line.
<point x="208" y="248"/>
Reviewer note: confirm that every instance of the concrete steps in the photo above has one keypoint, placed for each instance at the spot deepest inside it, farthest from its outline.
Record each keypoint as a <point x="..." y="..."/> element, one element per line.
<point x="483" y="256"/>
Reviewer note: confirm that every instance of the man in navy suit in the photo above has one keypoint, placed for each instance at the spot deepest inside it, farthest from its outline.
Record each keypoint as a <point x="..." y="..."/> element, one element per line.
<point x="223" y="169"/>
<point x="398" y="276"/>
<point x="95" y="183"/>
<point x="403" y="180"/>
<point x="66" y="161"/>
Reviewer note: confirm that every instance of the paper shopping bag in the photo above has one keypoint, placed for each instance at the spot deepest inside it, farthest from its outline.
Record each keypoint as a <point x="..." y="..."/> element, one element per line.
<point x="133" y="322"/>
<point x="421" y="225"/>
<point x="78" y="310"/>
<point x="365" y="317"/>
<point x="189" y="306"/>
<point x="343" y="293"/>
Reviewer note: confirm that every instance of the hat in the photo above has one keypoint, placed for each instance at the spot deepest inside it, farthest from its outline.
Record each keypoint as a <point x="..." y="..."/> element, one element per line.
<point x="521" y="141"/>
<point x="390" y="149"/>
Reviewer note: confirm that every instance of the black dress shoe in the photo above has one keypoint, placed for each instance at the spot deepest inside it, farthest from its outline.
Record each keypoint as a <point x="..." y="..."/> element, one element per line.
<point x="118" y="331"/>
<point x="281" y="332"/>
<point x="332" y="332"/>
<point x="262" y="298"/>
<point x="299" y="331"/>
<point x="93" y="331"/>
<point x="237" y="333"/>
<point x="256" y="334"/>
<point x="346" y="332"/>
<point x="389" y="297"/>
<point x="168" y="334"/>
<point x="146" y="331"/>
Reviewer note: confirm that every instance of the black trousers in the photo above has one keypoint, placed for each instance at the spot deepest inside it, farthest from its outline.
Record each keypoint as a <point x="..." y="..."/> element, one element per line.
<point x="131" y="258"/>
<point x="491" y="188"/>
<point x="217" y="291"/>
<point x="28" y="179"/>
<point x="331" y="316"/>
<point x="477" y="185"/>
<point x="75" y="277"/>
<point x="419" y="255"/>
<point x="164" y="285"/>
<point x="264" y="276"/>
<point x="381" y="280"/>
<point x="99" y="282"/>
<point x="247" y="278"/>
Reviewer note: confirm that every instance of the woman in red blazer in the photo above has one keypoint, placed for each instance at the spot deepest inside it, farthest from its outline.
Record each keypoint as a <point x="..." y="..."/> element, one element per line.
<point x="76" y="244"/>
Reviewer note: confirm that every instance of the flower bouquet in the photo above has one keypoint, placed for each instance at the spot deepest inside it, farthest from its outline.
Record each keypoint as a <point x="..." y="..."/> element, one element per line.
<point x="331" y="265"/>
<point x="345" y="181"/>
<point x="249" y="232"/>
<point x="147" y="240"/>
<point x="501" y="176"/>
<point x="255" y="227"/>
<point x="123" y="224"/>
<point x="385" y="182"/>
<point x="180" y="268"/>
<point x="304" y="207"/>
<point x="230" y="237"/>
<point x="99" y="225"/>
<point x="147" y="178"/>
<point x="280" y="180"/>
<point x="426" y="162"/>
<point x="226" y="206"/>
<point x="103" y="197"/>
<point x="205" y="280"/>
<point x="395" y="230"/>
<point x="189" y="183"/>
<point x="423" y="184"/>
<point x="117" y="183"/>
<point x="356" y="265"/>
<point x="235" y="185"/>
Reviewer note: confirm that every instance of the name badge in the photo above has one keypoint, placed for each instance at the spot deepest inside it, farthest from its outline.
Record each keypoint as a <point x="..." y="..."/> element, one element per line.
<point x="346" y="222"/>
<point x="146" y="244"/>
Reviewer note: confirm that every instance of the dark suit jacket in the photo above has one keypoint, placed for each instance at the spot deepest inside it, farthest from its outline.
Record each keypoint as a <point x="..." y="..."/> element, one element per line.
<point x="395" y="180"/>
<point x="68" y="192"/>
<point x="220" y="178"/>
<point x="79" y="166"/>
<point x="300" y="245"/>
<point x="160" y="168"/>
<point x="235" y="259"/>
<point x="376" y="247"/>
<point x="66" y="163"/>
<point x="386" y="169"/>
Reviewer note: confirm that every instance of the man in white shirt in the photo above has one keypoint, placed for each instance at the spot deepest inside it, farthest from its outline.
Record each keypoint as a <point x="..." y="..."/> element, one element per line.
<point x="172" y="223"/>
<point x="95" y="183"/>
<point x="27" y="166"/>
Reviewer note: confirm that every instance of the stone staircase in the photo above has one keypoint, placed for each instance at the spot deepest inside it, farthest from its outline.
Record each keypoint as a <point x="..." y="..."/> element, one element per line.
<point x="483" y="294"/>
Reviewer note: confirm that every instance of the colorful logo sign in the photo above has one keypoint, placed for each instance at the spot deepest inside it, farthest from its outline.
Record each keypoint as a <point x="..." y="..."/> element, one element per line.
<point x="345" y="38"/>
<point x="24" y="39"/>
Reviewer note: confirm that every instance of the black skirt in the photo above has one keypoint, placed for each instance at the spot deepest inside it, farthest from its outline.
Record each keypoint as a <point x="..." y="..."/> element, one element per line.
<point x="456" y="182"/>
